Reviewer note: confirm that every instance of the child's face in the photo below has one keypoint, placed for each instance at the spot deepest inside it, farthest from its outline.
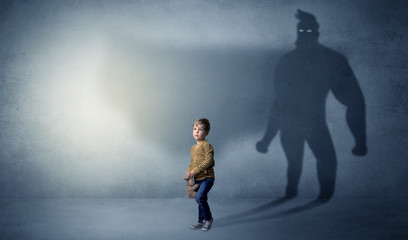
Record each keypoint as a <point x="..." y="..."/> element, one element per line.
<point x="199" y="133"/>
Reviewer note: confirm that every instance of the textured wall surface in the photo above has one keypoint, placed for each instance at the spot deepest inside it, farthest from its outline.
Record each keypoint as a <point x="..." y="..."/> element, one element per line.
<point x="98" y="97"/>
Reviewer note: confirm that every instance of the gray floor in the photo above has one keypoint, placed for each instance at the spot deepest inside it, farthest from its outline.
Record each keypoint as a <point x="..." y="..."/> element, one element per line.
<point x="111" y="218"/>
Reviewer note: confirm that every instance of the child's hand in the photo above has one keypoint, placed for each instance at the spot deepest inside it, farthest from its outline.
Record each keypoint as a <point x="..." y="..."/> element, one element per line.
<point x="188" y="175"/>
<point x="192" y="174"/>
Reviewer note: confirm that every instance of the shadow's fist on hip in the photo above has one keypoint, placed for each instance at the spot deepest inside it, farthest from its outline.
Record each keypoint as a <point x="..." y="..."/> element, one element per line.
<point x="360" y="150"/>
<point x="261" y="147"/>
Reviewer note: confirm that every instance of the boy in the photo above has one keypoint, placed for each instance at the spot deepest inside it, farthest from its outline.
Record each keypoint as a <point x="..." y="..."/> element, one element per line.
<point x="202" y="169"/>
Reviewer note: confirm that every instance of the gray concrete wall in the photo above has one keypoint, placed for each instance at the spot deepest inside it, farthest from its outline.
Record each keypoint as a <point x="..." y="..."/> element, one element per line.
<point x="98" y="97"/>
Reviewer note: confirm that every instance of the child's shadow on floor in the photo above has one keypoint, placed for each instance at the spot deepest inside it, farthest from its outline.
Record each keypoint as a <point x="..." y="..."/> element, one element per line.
<point x="245" y="217"/>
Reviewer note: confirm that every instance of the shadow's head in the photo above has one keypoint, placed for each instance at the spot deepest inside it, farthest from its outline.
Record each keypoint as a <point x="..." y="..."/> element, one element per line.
<point x="307" y="30"/>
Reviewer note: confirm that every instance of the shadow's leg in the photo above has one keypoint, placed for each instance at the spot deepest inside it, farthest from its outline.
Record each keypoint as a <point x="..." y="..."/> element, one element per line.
<point x="293" y="145"/>
<point x="321" y="144"/>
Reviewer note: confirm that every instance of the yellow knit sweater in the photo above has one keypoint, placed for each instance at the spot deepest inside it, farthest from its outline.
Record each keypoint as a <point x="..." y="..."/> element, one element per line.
<point x="202" y="161"/>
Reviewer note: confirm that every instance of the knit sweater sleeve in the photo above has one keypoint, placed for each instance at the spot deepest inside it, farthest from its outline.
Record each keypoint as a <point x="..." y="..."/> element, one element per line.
<point x="208" y="162"/>
<point x="190" y="167"/>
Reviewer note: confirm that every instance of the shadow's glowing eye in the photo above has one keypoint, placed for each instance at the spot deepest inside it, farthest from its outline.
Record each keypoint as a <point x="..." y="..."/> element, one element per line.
<point x="301" y="30"/>
<point x="309" y="30"/>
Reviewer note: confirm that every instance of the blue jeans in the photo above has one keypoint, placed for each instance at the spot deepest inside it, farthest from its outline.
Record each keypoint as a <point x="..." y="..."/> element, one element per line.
<point x="204" y="212"/>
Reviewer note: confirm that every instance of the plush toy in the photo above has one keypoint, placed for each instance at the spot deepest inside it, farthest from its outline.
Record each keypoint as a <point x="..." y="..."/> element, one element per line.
<point x="191" y="187"/>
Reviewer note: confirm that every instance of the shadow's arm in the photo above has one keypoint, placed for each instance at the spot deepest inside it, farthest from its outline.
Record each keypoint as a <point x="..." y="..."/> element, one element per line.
<point x="347" y="90"/>
<point x="271" y="129"/>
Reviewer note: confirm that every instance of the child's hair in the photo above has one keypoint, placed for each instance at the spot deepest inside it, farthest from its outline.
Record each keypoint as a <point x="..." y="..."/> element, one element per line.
<point x="204" y="122"/>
